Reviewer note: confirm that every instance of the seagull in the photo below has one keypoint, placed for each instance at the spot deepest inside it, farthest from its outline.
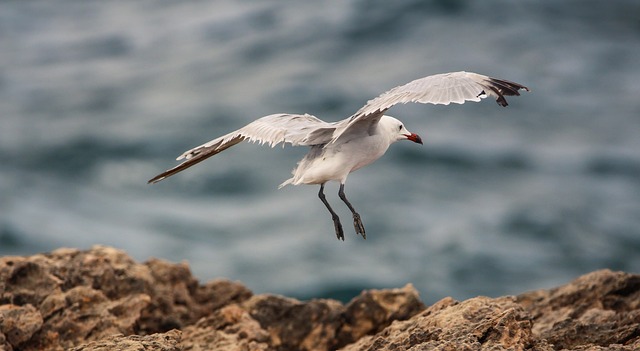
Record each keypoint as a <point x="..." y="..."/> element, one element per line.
<point x="339" y="148"/>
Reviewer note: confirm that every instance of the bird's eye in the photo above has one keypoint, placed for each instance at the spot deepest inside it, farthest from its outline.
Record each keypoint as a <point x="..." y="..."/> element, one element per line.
<point x="400" y="127"/>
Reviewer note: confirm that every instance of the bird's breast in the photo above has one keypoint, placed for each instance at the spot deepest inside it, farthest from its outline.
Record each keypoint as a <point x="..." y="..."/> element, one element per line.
<point x="361" y="152"/>
<point x="336" y="161"/>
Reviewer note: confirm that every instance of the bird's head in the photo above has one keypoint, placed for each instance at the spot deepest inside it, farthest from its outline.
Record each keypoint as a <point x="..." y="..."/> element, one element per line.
<point x="397" y="131"/>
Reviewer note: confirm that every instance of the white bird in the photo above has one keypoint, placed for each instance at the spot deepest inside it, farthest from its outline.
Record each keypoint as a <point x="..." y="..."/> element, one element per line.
<point x="339" y="148"/>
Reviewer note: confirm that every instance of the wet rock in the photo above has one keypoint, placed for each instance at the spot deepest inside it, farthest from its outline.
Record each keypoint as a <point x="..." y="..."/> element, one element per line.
<point x="101" y="299"/>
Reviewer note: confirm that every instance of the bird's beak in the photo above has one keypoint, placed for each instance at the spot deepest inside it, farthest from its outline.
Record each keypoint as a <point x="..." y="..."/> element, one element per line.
<point x="414" y="137"/>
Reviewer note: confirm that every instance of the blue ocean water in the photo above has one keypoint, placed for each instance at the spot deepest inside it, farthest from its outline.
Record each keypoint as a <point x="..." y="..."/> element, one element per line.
<point x="98" y="97"/>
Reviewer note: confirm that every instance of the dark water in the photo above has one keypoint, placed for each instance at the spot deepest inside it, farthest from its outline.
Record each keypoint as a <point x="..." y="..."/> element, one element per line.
<point x="97" y="97"/>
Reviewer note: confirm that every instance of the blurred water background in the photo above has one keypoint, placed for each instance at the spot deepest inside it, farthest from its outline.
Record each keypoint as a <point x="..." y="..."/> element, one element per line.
<point x="96" y="97"/>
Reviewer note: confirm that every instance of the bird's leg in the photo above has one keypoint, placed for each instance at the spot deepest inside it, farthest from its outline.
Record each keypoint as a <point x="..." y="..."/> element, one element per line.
<point x="357" y="222"/>
<point x="334" y="216"/>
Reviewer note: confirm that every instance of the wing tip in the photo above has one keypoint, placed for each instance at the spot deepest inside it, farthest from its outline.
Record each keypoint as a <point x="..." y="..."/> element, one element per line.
<point x="502" y="88"/>
<point x="156" y="179"/>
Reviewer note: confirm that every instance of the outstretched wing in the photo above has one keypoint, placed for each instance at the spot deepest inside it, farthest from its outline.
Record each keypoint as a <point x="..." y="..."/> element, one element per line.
<point x="439" y="89"/>
<point x="273" y="130"/>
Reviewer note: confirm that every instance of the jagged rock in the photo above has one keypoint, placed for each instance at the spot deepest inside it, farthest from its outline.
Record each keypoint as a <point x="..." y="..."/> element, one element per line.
<point x="480" y="323"/>
<point x="19" y="323"/>
<point x="293" y="324"/>
<point x="596" y="312"/>
<point x="598" y="309"/>
<point x="100" y="299"/>
<point x="86" y="295"/>
<point x="169" y="341"/>
<point x="83" y="314"/>
<point x="322" y="324"/>
<point x="230" y="328"/>
<point x="374" y="310"/>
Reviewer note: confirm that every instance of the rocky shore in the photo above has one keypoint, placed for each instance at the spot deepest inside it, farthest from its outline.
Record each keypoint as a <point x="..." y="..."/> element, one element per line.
<point x="101" y="299"/>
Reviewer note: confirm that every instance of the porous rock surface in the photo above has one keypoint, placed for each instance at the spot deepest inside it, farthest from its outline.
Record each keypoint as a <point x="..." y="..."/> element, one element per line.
<point x="101" y="299"/>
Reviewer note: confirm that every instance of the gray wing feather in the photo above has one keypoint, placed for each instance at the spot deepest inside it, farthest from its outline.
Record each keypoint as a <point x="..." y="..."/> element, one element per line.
<point x="272" y="130"/>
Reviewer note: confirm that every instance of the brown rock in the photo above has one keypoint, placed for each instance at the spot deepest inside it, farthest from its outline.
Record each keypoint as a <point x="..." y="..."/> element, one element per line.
<point x="480" y="323"/>
<point x="18" y="324"/>
<point x="81" y="296"/>
<point x="598" y="309"/>
<point x="295" y="325"/>
<point x="103" y="300"/>
<point x="326" y="324"/>
<point x="179" y="300"/>
<point x="27" y="280"/>
<point x="169" y="341"/>
<point x="87" y="314"/>
<point x="374" y="310"/>
<point x="230" y="328"/>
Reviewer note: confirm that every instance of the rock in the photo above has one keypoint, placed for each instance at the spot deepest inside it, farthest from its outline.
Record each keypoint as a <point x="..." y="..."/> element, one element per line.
<point x="169" y="341"/>
<point x="480" y="323"/>
<point x="101" y="299"/>
<point x="82" y="296"/>
<point x="229" y="328"/>
<point x="596" y="310"/>
<point x="374" y="310"/>
<point x="19" y="323"/>
<point x="326" y="324"/>
<point x="87" y="314"/>
<point x="292" y="324"/>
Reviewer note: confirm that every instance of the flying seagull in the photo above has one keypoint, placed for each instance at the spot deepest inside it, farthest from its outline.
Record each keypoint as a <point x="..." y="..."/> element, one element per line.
<point x="339" y="148"/>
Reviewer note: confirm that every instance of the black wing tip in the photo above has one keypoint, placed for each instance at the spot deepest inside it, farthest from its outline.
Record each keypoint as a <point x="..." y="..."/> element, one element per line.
<point x="168" y="173"/>
<point x="163" y="175"/>
<point x="502" y="101"/>
<point x="504" y="87"/>
<point x="155" y="179"/>
<point x="177" y="169"/>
